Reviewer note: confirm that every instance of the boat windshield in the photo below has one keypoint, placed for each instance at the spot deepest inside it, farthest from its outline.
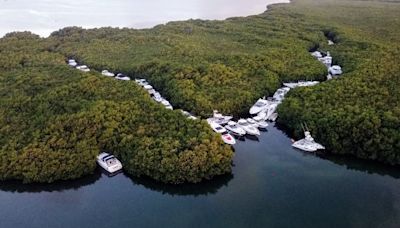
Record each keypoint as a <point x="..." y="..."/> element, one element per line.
<point x="218" y="128"/>
<point x="108" y="157"/>
<point x="260" y="104"/>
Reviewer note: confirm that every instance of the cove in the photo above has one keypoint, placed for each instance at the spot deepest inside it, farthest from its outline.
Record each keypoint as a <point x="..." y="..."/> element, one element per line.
<point x="272" y="185"/>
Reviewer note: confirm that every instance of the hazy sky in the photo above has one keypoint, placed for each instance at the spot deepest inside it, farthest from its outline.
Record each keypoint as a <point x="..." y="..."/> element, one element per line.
<point x="44" y="16"/>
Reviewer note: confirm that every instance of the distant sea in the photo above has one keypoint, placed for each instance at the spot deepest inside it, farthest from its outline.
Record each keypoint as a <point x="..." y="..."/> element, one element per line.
<point x="45" y="16"/>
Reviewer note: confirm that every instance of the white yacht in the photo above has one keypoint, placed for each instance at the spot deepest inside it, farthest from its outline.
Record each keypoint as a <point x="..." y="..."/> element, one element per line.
<point x="252" y="122"/>
<point x="259" y="106"/>
<point x="248" y="127"/>
<point x="107" y="73"/>
<point x="152" y="91"/>
<point x="228" y="139"/>
<point x="83" y="68"/>
<point x="335" y="70"/>
<point x="108" y="162"/>
<point x="233" y="127"/>
<point x="262" y="124"/>
<point x="122" y="77"/>
<point x="216" y="127"/>
<point x="308" y="144"/>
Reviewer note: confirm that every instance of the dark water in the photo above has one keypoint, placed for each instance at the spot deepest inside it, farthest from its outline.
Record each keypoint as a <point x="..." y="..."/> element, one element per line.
<point x="272" y="185"/>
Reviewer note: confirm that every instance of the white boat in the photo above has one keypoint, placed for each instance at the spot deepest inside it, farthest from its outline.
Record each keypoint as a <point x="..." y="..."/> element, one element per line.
<point x="308" y="144"/>
<point x="235" y="128"/>
<point x="248" y="127"/>
<point x="279" y="95"/>
<point x="273" y="117"/>
<point x="252" y="122"/>
<point x="271" y="109"/>
<point x="152" y="91"/>
<point x="291" y="85"/>
<point x="330" y="42"/>
<point x="83" y="68"/>
<point x="259" y="106"/>
<point x="216" y="127"/>
<point x="169" y="107"/>
<point x="317" y="54"/>
<point x="108" y="162"/>
<point x="326" y="60"/>
<point x="72" y="62"/>
<point x="219" y="118"/>
<point x="157" y="97"/>
<point x="122" y="77"/>
<point x="188" y="115"/>
<point x="262" y="115"/>
<point x="165" y="102"/>
<point x="261" y="122"/>
<point x="228" y="139"/>
<point x="107" y="73"/>
<point x="335" y="70"/>
<point x="148" y="87"/>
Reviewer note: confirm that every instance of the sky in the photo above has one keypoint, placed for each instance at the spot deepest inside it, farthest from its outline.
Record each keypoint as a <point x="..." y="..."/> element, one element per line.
<point x="45" y="16"/>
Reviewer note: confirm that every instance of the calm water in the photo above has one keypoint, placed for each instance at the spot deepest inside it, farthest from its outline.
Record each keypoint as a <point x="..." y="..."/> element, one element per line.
<point x="272" y="185"/>
<point x="44" y="16"/>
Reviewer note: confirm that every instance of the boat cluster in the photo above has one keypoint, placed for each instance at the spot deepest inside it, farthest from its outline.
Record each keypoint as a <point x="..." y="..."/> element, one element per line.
<point x="73" y="63"/>
<point x="326" y="59"/>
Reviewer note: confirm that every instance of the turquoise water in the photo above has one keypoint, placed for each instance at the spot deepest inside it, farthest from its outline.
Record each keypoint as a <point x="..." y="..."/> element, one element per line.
<point x="272" y="185"/>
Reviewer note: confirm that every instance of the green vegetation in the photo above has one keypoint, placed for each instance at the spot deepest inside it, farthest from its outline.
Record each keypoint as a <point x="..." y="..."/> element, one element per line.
<point x="54" y="120"/>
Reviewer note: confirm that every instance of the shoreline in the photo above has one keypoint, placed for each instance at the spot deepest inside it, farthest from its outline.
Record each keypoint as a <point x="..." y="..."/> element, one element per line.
<point x="45" y="33"/>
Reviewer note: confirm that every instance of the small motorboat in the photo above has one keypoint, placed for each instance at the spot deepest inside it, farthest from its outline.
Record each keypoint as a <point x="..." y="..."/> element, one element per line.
<point x="228" y="139"/>
<point x="271" y="109"/>
<point x="273" y="117"/>
<point x="107" y="73"/>
<point x="317" y="54"/>
<point x="83" y="68"/>
<point x="151" y="91"/>
<point x="251" y="130"/>
<point x="252" y="122"/>
<point x="188" y="115"/>
<point x="157" y="97"/>
<point x="216" y="127"/>
<point x="148" y="87"/>
<point x="291" y="85"/>
<point x="169" y="107"/>
<point x="280" y="93"/>
<point x="122" y="77"/>
<point x="259" y="106"/>
<point x="72" y="62"/>
<point x="165" y="102"/>
<point x="235" y="129"/>
<point x="108" y="162"/>
<point x="261" y="122"/>
<point x="335" y="70"/>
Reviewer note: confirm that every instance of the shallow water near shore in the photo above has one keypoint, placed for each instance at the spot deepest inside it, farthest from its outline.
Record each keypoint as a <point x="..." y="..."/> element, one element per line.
<point x="272" y="185"/>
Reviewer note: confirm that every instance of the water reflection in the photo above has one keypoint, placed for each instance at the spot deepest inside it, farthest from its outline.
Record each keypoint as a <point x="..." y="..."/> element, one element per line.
<point x="204" y="188"/>
<point x="59" y="186"/>
<point x="370" y="167"/>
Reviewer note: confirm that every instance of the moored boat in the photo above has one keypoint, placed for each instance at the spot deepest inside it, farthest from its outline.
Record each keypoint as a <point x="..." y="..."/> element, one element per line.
<point x="228" y="139"/>
<point x="109" y="163"/>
